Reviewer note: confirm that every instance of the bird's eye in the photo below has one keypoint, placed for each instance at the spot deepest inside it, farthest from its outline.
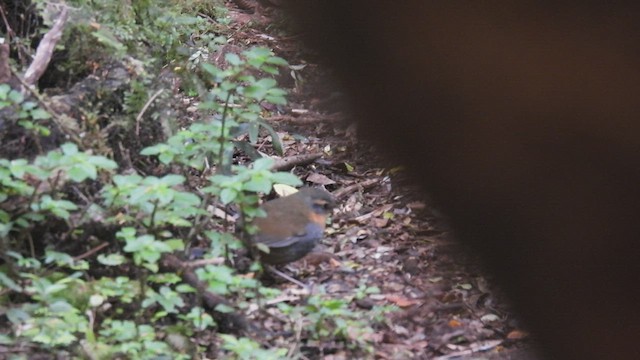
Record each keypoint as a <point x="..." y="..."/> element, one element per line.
<point x="320" y="206"/>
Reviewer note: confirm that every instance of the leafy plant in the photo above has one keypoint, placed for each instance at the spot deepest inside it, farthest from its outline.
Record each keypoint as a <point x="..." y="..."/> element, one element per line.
<point x="38" y="184"/>
<point x="82" y="242"/>
<point x="234" y="104"/>
<point x="247" y="349"/>
<point x="28" y="114"/>
<point x="324" y="317"/>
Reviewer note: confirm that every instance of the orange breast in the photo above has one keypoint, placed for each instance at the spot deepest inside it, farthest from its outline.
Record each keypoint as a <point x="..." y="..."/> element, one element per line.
<point x="318" y="219"/>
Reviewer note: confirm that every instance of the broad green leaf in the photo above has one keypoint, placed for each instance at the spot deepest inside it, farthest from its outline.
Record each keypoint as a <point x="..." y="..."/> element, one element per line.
<point x="83" y="171"/>
<point x="111" y="259"/>
<point x="285" y="178"/>
<point x="40" y="114"/>
<point x="233" y="59"/>
<point x="103" y="163"/>
<point x="275" y="138"/>
<point x="263" y="164"/>
<point x="259" y="183"/>
<point x="69" y="148"/>
<point x="16" y="97"/>
<point x="227" y="195"/>
<point x="276" y="60"/>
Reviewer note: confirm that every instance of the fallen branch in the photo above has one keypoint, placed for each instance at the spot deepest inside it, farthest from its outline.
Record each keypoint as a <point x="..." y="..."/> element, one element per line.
<point x="291" y="161"/>
<point x="230" y="321"/>
<point x="308" y="119"/>
<point x="45" y="50"/>
<point x="340" y="193"/>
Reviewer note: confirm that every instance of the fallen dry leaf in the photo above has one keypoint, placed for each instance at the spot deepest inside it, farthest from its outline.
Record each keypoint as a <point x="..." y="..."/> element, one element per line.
<point x="517" y="335"/>
<point x="454" y="323"/>
<point x="416" y="205"/>
<point x="320" y="179"/>
<point x="401" y="301"/>
<point x="380" y="223"/>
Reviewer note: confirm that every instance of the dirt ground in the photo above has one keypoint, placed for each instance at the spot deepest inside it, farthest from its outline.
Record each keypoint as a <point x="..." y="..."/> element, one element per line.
<point x="384" y="233"/>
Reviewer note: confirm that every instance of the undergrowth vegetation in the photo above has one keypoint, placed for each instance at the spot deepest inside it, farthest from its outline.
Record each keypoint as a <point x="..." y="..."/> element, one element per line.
<point x="86" y="232"/>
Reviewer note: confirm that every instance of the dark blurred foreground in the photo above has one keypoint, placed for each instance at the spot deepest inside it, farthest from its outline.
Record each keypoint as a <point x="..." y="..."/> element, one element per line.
<point x="522" y="120"/>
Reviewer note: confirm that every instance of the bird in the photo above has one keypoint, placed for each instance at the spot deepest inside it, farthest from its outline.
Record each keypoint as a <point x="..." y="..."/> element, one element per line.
<point x="293" y="225"/>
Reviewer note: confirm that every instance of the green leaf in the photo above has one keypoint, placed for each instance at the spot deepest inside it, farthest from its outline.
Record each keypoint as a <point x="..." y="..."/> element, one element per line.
<point x="59" y="258"/>
<point x="5" y="226"/>
<point x="103" y="163"/>
<point x="254" y="92"/>
<point x="96" y="300"/>
<point x="8" y="282"/>
<point x="155" y="150"/>
<point x="263" y="164"/>
<point x="275" y="138"/>
<point x="16" y="97"/>
<point x="275" y="60"/>
<point x="56" y="207"/>
<point x="233" y="59"/>
<point x="126" y="233"/>
<point x="259" y="183"/>
<point x="139" y="243"/>
<point x="249" y="116"/>
<point x="186" y="199"/>
<point x="125" y="181"/>
<point x="276" y="100"/>
<point x="106" y="37"/>
<point x="270" y="69"/>
<point x="263" y="247"/>
<point x="4" y="91"/>
<point x="173" y="179"/>
<point x="211" y="69"/>
<point x="29" y="125"/>
<point x="349" y="167"/>
<point x="83" y="171"/>
<point x="227" y="195"/>
<point x="175" y="244"/>
<point x="267" y="83"/>
<point x="254" y="131"/>
<point x="29" y="105"/>
<point x="18" y="167"/>
<point x="164" y="195"/>
<point x="69" y="148"/>
<point x="44" y="131"/>
<point x="286" y="178"/>
<point x="111" y="259"/>
<point x="166" y="158"/>
<point x="40" y="114"/>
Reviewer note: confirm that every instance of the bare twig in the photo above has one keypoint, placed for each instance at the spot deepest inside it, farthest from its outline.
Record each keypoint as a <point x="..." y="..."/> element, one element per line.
<point x="144" y="109"/>
<point x="10" y="31"/>
<point x="91" y="251"/>
<point x="289" y="278"/>
<point x="203" y="263"/>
